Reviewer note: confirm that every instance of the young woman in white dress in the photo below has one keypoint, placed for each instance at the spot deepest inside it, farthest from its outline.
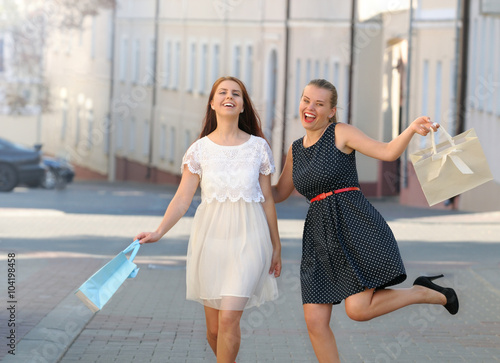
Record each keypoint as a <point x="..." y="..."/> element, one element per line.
<point x="234" y="252"/>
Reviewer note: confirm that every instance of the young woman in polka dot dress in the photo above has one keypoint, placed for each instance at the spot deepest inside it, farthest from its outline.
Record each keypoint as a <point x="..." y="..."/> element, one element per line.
<point x="349" y="252"/>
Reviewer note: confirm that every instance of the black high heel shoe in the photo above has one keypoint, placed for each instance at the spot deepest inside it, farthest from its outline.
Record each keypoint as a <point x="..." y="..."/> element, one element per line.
<point x="449" y="293"/>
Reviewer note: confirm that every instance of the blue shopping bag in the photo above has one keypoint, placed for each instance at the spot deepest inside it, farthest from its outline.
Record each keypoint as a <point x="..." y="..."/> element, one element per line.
<point x="100" y="287"/>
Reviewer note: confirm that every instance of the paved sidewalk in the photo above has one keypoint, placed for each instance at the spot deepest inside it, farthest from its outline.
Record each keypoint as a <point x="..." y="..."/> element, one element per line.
<point x="149" y="320"/>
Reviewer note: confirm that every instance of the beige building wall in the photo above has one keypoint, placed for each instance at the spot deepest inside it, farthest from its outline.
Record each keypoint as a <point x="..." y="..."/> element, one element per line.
<point x="318" y="49"/>
<point x="78" y="68"/>
<point x="379" y="49"/>
<point x="483" y="99"/>
<point x="433" y="82"/>
<point x="198" y="42"/>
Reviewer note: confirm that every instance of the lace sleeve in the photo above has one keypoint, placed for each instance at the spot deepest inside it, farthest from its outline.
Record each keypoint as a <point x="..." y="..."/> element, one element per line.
<point x="192" y="159"/>
<point x="266" y="159"/>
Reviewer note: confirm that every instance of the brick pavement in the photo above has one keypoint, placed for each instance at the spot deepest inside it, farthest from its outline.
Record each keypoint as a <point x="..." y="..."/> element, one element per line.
<point x="148" y="319"/>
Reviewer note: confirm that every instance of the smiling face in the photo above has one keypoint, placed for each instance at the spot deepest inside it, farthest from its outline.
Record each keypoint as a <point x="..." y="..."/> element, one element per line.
<point x="228" y="99"/>
<point x="315" y="107"/>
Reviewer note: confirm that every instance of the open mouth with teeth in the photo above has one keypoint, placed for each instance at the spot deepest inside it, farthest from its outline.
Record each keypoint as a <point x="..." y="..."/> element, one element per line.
<point x="228" y="105"/>
<point x="309" y="117"/>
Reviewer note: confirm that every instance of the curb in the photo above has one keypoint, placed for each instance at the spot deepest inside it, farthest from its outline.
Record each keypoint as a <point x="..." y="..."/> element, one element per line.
<point x="49" y="340"/>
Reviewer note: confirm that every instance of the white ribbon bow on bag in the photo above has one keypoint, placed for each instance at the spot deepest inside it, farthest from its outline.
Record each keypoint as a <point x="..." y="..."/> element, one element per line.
<point x="459" y="163"/>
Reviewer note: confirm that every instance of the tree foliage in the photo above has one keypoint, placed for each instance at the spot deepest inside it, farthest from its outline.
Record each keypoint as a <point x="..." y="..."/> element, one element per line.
<point x="30" y="27"/>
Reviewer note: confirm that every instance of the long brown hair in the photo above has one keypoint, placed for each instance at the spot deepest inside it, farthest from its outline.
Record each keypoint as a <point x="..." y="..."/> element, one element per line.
<point x="248" y="121"/>
<point x="324" y="84"/>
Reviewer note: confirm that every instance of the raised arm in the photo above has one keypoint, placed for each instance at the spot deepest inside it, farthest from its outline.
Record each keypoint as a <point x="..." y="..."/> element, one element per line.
<point x="284" y="187"/>
<point x="349" y="138"/>
<point x="176" y="209"/>
<point x="272" y="222"/>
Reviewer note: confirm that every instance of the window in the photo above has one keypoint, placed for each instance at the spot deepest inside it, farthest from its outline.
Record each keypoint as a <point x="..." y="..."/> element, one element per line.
<point x="90" y="127"/>
<point x="236" y="61"/>
<point x="308" y="70"/>
<point x="123" y="59"/>
<point x="2" y="52"/>
<point x="438" y="89"/>
<point x="425" y="96"/>
<point x="119" y="134"/>
<point x="473" y="66"/>
<point x="109" y="47"/>
<point x="64" y="109"/>
<point x="92" y="37"/>
<point x="136" y="59"/>
<point x="336" y="74"/>
<point x="326" y="71"/>
<point x="176" y="64"/>
<point x="191" y="68"/>
<point x="64" y="122"/>
<point x="79" y="116"/>
<point x="167" y="63"/>
<point x="171" y="153"/>
<point x="145" y="139"/>
<point x="249" y="69"/>
<point x="298" y="87"/>
<point x="163" y="141"/>
<point x="346" y="93"/>
<point x="152" y="62"/>
<point x="187" y="139"/>
<point x="497" y="61"/>
<point x="491" y="67"/>
<point x="425" y="88"/>
<point x="316" y="69"/>
<point x="131" y="135"/>
<point x="202" y="87"/>
<point x="215" y="63"/>
<point x="106" y="133"/>
<point x="482" y="67"/>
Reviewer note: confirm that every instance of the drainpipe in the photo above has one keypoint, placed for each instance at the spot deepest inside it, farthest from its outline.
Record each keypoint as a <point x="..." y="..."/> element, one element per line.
<point x="404" y="170"/>
<point x="40" y="89"/>
<point x="351" y="65"/>
<point x="454" y="79"/>
<point x="110" y="119"/>
<point x="464" y="51"/>
<point x="153" y="96"/>
<point x="285" y="85"/>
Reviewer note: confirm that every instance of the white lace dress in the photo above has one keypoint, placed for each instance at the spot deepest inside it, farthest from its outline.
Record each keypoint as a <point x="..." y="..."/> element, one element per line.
<point x="230" y="250"/>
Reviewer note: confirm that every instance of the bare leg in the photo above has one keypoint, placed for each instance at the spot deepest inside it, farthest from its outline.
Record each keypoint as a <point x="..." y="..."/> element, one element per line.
<point x="229" y="335"/>
<point x="370" y="304"/>
<point x="212" y="319"/>
<point x="318" y="326"/>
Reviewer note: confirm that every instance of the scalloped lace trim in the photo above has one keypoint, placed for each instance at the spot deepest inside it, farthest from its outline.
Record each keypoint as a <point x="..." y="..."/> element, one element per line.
<point x="224" y="198"/>
<point x="220" y="167"/>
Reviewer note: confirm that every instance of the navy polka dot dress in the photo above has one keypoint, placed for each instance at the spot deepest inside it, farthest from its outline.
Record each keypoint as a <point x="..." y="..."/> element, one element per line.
<point x="347" y="245"/>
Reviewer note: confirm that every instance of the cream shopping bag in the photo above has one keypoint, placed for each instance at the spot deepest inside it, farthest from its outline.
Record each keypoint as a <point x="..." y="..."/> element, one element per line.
<point x="451" y="167"/>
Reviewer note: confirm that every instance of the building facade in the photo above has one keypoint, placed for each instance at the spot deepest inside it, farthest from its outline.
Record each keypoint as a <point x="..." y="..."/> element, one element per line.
<point x="483" y="97"/>
<point x="131" y="86"/>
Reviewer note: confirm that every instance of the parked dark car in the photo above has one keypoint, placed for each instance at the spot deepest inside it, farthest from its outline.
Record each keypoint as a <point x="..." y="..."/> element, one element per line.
<point x="58" y="174"/>
<point x="19" y="165"/>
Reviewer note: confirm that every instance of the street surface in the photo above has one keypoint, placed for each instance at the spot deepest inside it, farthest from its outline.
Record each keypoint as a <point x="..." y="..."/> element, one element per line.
<point x="52" y="241"/>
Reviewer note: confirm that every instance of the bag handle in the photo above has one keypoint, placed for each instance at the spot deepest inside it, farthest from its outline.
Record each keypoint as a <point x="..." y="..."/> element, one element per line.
<point x="433" y="141"/>
<point x="459" y="163"/>
<point x="134" y="247"/>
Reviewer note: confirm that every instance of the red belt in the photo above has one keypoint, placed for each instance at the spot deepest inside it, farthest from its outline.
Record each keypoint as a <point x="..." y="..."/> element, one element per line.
<point x="324" y="195"/>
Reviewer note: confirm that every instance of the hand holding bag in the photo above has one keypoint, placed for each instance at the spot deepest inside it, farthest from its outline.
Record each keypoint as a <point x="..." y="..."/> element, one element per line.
<point x="100" y="287"/>
<point x="451" y="167"/>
